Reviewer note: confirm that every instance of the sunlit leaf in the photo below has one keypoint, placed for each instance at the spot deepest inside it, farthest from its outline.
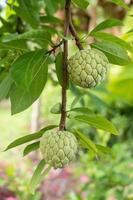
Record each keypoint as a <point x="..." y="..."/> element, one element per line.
<point x="84" y="110"/>
<point x="31" y="147"/>
<point x="115" y="53"/>
<point x="85" y="141"/>
<point x="38" y="176"/>
<point x="29" y="137"/>
<point x="103" y="149"/>
<point x="108" y="23"/>
<point x="56" y="109"/>
<point x="29" y="73"/>
<point x="114" y="39"/>
<point x="98" y="122"/>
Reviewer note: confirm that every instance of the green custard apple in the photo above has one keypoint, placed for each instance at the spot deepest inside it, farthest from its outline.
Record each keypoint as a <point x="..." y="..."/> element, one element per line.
<point x="87" y="68"/>
<point x="58" y="148"/>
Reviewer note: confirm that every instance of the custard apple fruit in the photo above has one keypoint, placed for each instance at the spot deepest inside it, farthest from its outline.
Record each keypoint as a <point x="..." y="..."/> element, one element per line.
<point x="58" y="148"/>
<point x="87" y="68"/>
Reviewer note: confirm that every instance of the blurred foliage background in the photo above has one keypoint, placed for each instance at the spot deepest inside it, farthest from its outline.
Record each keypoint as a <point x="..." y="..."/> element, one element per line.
<point x="109" y="177"/>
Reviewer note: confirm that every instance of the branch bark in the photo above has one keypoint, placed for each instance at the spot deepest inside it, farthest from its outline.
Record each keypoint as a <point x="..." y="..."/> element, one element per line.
<point x="65" y="64"/>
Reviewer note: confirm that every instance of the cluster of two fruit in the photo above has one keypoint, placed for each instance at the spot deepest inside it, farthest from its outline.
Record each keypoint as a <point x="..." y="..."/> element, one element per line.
<point x="87" y="68"/>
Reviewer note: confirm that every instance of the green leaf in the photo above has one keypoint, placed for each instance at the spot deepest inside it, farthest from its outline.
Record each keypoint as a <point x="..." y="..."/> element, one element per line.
<point x="31" y="147"/>
<point x="38" y="176"/>
<point x="82" y="4"/>
<point x="59" y="67"/>
<point x="50" y="19"/>
<point x="21" y="45"/>
<point x="28" y="11"/>
<point x="60" y="33"/>
<point x="8" y="59"/>
<point x="51" y="6"/>
<point x="84" y="110"/>
<point x="29" y="72"/>
<point x="114" y="39"/>
<point x="120" y="3"/>
<point x="5" y="86"/>
<point x="27" y="67"/>
<point x="39" y="34"/>
<point x="115" y="53"/>
<point x="85" y="141"/>
<point x="108" y="23"/>
<point x="56" y="109"/>
<point x="98" y="101"/>
<point x="103" y="149"/>
<point x="123" y="84"/>
<point x="76" y="100"/>
<point x="98" y="122"/>
<point x="29" y="137"/>
<point x="8" y="26"/>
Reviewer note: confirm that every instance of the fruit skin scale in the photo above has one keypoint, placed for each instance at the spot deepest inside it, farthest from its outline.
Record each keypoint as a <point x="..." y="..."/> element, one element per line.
<point x="58" y="148"/>
<point x="88" y="68"/>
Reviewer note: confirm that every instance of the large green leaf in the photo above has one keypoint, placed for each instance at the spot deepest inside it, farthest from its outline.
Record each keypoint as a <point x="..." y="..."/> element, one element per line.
<point x="114" y="39"/>
<point x="26" y="68"/>
<point x="29" y="73"/>
<point x="82" y="4"/>
<point x="5" y="86"/>
<point x="38" y="176"/>
<point x="108" y="23"/>
<point x="98" y="122"/>
<point x="85" y="141"/>
<point x="31" y="147"/>
<point x="59" y="67"/>
<point x="115" y="53"/>
<point x="21" y="45"/>
<point x="28" y="11"/>
<point x="29" y="137"/>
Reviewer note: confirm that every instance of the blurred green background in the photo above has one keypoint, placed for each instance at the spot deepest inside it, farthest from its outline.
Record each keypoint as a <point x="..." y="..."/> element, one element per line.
<point x="109" y="177"/>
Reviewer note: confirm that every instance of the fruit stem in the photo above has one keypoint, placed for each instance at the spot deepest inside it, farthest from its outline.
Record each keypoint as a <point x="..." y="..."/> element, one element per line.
<point x="65" y="64"/>
<point x="74" y="34"/>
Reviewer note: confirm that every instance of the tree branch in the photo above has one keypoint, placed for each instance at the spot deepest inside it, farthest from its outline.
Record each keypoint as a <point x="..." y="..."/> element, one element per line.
<point x="65" y="64"/>
<point x="73" y="32"/>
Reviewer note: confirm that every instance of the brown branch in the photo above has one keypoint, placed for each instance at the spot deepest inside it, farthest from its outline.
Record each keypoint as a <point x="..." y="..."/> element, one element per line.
<point x="73" y="32"/>
<point x="65" y="75"/>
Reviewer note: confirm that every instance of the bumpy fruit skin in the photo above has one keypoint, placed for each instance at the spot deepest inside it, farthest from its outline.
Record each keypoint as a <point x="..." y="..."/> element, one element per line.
<point x="87" y="68"/>
<point x="58" y="148"/>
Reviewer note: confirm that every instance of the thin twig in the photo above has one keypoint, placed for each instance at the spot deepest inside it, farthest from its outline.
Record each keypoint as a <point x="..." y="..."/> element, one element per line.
<point x="55" y="47"/>
<point x="73" y="32"/>
<point x="65" y="75"/>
